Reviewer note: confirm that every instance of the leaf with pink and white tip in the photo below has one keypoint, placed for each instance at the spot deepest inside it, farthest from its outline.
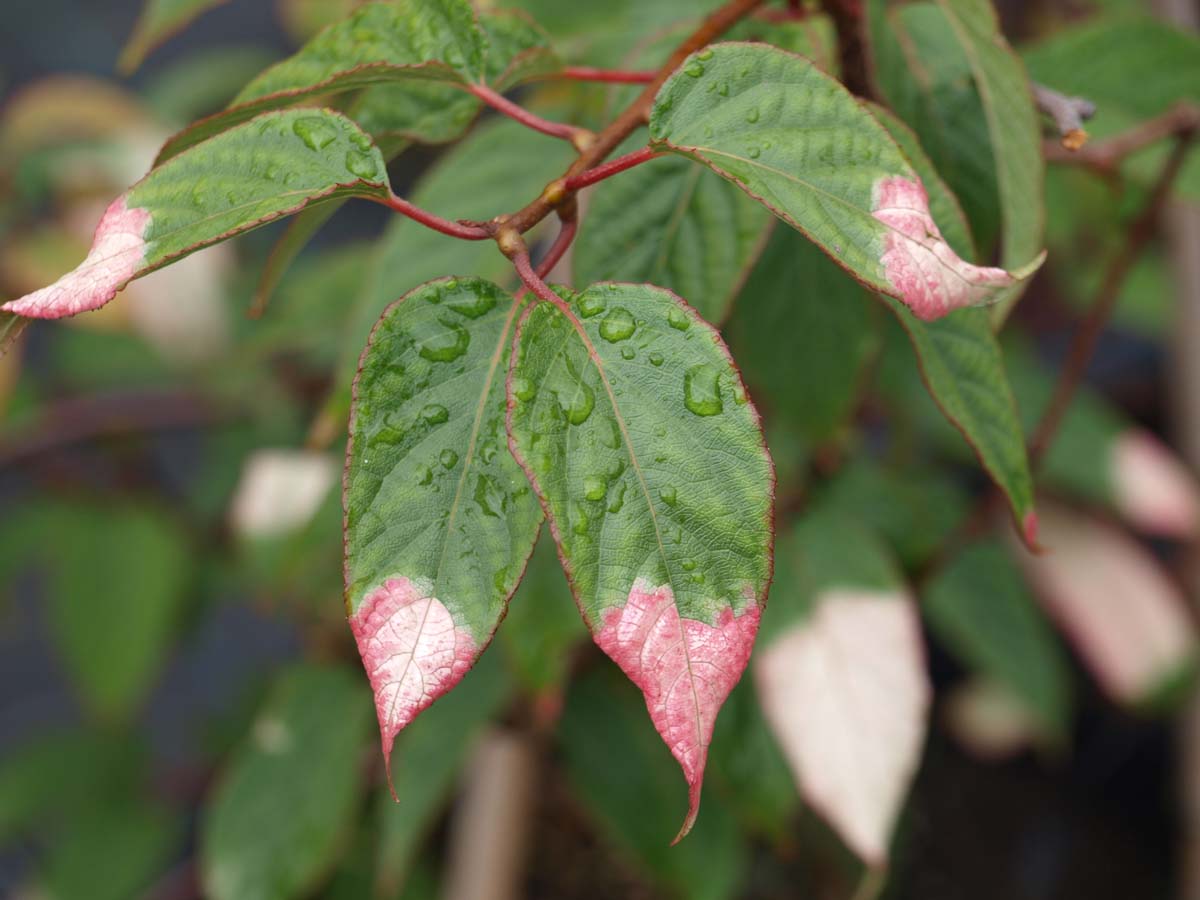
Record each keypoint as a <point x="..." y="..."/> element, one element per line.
<point x="798" y="141"/>
<point x="648" y="457"/>
<point x="439" y="519"/>
<point x="272" y="166"/>
<point x="1124" y="615"/>
<point x="841" y="678"/>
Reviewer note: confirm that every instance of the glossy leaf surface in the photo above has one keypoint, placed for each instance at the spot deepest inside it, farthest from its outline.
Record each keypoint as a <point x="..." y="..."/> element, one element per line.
<point x="273" y="166"/>
<point x="650" y="462"/>
<point x="440" y="521"/>
<point x="796" y="140"/>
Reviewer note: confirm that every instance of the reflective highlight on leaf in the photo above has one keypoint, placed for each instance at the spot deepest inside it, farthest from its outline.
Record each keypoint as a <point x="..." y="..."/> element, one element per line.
<point x="412" y="650"/>
<point x="685" y="669"/>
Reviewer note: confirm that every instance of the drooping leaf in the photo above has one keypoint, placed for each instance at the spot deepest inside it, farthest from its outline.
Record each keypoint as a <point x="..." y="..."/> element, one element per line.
<point x="632" y="802"/>
<point x="671" y="223"/>
<point x="1123" y="614"/>
<point x="979" y="606"/>
<point x="841" y="678"/>
<point x="799" y="142"/>
<point x="803" y="332"/>
<point x="649" y="459"/>
<point x="947" y="70"/>
<point x="427" y="51"/>
<point x="1133" y="68"/>
<point x="428" y="757"/>
<point x="960" y="361"/>
<point x="160" y="19"/>
<point x="275" y="165"/>
<point x="117" y="586"/>
<point x="440" y="521"/>
<point x="274" y="823"/>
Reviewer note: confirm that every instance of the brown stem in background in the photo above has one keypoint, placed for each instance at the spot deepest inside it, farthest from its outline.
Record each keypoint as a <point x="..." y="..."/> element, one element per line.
<point x="1084" y="344"/>
<point x="1068" y="113"/>
<point x="847" y="16"/>
<point x="1105" y="155"/>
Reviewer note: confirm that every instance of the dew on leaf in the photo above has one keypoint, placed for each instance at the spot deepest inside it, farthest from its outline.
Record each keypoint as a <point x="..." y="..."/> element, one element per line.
<point x="522" y="388"/>
<point x="754" y="152"/>
<point x="474" y="306"/>
<point x="591" y="305"/>
<point x="702" y="391"/>
<point x="488" y="496"/>
<point x="752" y="115"/>
<point x="617" y="325"/>
<point x="424" y="475"/>
<point x="668" y="494"/>
<point x="488" y="452"/>
<point x="578" y="406"/>
<point x="723" y="89"/>
<point x="580" y="523"/>
<point x="688" y="565"/>
<point x="618" y="499"/>
<point x="705" y="54"/>
<point x="435" y="414"/>
<point x="448" y="459"/>
<point x="594" y="487"/>
<point x="361" y="165"/>
<point x="656" y="359"/>
<point x="447" y="346"/>
<point x="610" y="437"/>
<point x="694" y="70"/>
<point x="316" y="133"/>
<point x="678" y="319"/>
<point x="628" y="352"/>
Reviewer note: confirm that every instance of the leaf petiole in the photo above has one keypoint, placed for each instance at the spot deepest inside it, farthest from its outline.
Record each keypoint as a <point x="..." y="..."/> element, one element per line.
<point x="610" y="168"/>
<point x="436" y="222"/>
<point x="580" y="138"/>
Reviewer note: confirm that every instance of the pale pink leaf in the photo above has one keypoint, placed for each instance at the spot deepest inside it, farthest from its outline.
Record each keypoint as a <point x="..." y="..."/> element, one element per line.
<point x="1153" y="489"/>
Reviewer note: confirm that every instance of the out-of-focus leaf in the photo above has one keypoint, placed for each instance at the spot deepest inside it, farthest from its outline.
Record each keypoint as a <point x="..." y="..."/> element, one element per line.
<point x="989" y="720"/>
<point x="280" y="491"/>
<point x="212" y="193"/>
<point x="1122" y="613"/>
<point x="203" y="81"/>
<point x="638" y="435"/>
<point x="118" y="576"/>
<point x="841" y="678"/>
<point x="277" y="820"/>
<point x="425" y="763"/>
<point x="1133" y="68"/>
<point x="979" y="606"/>
<point x="440" y="520"/>
<point x="802" y="332"/>
<point x="797" y="141"/>
<point x="623" y="774"/>
<point x="112" y="853"/>
<point x="160" y="20"/>
<point x="63" y="108"/>
<point x="303" y="19"/>
<point x="672" y="224"/>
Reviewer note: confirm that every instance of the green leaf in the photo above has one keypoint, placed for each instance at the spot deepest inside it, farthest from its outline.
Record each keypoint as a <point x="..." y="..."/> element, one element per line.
<point x="1133" y="68"/>
<point x="948" y="71"/>
<point x="796" y="140"/>
<point x="275" y="165"/>
<point x="960" y="361"/>
<point x="440" y="521"/>
<point x="980" y="608"/>
<point x="11" y="326"/>
<point x="428" y="757"/>
<point x="415" y="57"/>
<point x="623" y="776"/>
<point x="118" y="579"/>
<point x="804" y="332"/>
<point x="276" y="822"/>
<point x="640" y="439"/>
<point x="160" y="19"/>
<point x="671" y="223"/>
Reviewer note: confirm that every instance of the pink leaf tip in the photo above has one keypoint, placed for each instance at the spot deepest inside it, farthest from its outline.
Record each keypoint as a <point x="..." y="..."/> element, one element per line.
<point x="412" y="650"/>
<point x="684" y="667"/>
<point x="1029" y="531"/>
<point x="118" y="252"/>
<point x="1152" y="487"/>
<point x="929" y="276"/>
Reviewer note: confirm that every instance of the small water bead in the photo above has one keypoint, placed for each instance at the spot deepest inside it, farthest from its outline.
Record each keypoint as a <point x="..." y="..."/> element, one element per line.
<point x="579" y="405"/>
<point x="694" y="70"/>
<point x="580" y="523"/>
<point x="618" y="499"/>
<point x="447" y="346"/>
<point x="618" y="325"/>
<point x="610" y="437"/>
<point x="678" y="319"/>
<point x="752" y="115"/>
<point x="688" y="565"/>
<point x="656" y="359"/>
<point x="448" y="459"/>
<point x="488" y="453"/>
<point x="522" y="388"/>
<point x="594" y="487"/>
<point x="473" y="306"/>
<point x="591" y="305"/>
<point x="723" y="89"/>
<point x="628" y="352"/>
<point x="316" y="132"/>
<point x="668" y="494"/>
<point x="435" y="414"/>
<point x="705" y="54"/>
<point x="424" y="475"/>
<point x="739" y="395"/>
<point x="362" y="165"/>
<point x="702" y="390"/>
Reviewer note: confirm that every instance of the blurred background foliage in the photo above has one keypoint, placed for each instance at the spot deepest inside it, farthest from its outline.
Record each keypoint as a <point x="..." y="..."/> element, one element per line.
<point x="182" y="712"/>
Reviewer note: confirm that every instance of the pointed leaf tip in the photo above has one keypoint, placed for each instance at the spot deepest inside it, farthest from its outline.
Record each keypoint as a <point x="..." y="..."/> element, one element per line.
<point x="412" y="650"/>
<point x="684" y="667"/>
<point x="929" y="276"/>
<point x="118" y="250"/>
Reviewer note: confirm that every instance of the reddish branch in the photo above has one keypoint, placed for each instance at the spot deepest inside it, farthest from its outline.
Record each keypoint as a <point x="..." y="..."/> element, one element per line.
<point x="1068" y="113"/>
<point x="608" y="169"/>
<point x="609" y="76"/>
<point x="1105" y="155"/>
<point x="579" y="137"/>
<point x="1084" y="343"/>
<point x="847" y="16"/>
<point x="463" y="231"/>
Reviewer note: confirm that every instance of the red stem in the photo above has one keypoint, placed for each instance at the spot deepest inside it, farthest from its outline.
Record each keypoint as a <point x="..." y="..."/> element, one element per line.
<point x="611" y="76"/>
<point x="566" y="234"/>
<point x="437" y="223"/>
<point x="534" y="282"/>
<point x="608" y="169"/>
<point x="519" y="113"/>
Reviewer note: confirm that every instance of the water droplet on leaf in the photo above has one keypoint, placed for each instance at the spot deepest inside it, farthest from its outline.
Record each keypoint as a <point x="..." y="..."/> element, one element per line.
<point x="316" y="133"/>
<point x="694" y="70"/>
<point x="678" y="319"/>
<point x="702" y="390"/>
<point x="594" y="488"/>
<point x="448" y="459"/>
<point x="522" y="388"/>
<point x="448" y="345"/>
<point x="578" y="406"/>
<point x="628" y="352"/>
<point x="656" y="359"/>
<point x="591" y="305"/>
<point x="435" y="414"/>
<point x="617" y="325"/>
<point x="668" y="495"/>
<point x="362" y="165"/>
<point x="752" y="115"/>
